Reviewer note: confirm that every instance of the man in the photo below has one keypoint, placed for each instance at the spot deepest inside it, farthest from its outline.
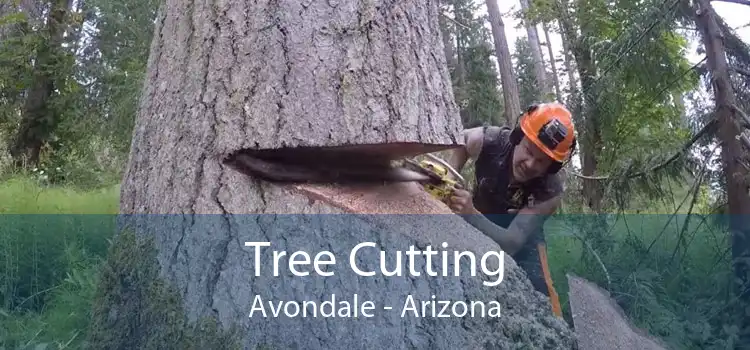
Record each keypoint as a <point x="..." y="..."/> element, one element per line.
<point x="516" y="173"/>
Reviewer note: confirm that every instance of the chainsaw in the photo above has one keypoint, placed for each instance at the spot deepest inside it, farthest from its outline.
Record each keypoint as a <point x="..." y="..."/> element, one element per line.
<point x="331" y="165"/>
<point x="443" y="178"/>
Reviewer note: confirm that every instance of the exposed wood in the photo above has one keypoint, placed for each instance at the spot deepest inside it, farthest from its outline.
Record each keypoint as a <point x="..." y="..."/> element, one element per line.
<point x="600" y="323"/>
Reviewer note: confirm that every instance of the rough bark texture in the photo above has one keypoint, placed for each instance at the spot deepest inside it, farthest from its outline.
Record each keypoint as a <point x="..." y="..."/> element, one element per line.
<point x="233" y="75"/>
<point x="600" y="323"/>
<point x="511" y="98"/>
<point x="236" y="75"/>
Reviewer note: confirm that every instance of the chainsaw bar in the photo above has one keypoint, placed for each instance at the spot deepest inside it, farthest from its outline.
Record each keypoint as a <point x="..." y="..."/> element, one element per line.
<point x="323" y="168"/>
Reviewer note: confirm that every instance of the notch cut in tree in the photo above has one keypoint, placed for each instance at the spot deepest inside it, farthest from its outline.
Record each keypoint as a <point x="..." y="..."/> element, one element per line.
<point x="297" y="79"/>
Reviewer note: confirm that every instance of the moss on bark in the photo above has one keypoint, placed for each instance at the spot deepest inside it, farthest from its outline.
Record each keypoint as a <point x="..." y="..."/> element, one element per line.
<point x="134" y="308"/>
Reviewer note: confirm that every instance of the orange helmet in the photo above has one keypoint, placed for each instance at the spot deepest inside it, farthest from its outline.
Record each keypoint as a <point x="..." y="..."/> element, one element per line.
<point x="550" y="127"/>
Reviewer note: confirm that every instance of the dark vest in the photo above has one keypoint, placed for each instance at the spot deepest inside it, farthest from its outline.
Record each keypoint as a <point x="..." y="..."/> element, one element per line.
<point x="493" y="194"/>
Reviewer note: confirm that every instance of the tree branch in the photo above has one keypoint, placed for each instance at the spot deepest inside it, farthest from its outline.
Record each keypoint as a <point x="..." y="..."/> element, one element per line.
<point x="671" y="159"/>
<point x="744" y="72"/>
<point x="454" y="21"/>
<point x="744" y="118"/>
<point x="741" y="2"/>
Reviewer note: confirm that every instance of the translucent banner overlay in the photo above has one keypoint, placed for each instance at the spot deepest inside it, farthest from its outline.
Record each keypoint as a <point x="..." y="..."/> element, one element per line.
<point x="319" y="280"/>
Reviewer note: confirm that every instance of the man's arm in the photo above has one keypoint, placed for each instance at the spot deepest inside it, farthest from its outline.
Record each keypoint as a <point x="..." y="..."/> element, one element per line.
<point x="473" y="140"/>
<point x="528" y="221"/>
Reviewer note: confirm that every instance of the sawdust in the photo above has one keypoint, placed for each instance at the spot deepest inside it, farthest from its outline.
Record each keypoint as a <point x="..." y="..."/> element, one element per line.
<point x="600" y="323"/>
<point x="393" y="198"/>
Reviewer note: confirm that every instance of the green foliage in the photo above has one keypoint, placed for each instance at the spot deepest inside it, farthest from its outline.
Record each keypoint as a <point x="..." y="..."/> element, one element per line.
<point x="475" y="79"/>
<point x="669" y="273"/>
<point x="482" y="98"/>
<point x="54" y="266"/>
<point x="149" y="311"/>
<point x="48" y="273"/>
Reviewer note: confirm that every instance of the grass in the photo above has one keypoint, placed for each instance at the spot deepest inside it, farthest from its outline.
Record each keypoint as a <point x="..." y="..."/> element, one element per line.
<point x="48" y="268"/>
<point x="48" y="261"/>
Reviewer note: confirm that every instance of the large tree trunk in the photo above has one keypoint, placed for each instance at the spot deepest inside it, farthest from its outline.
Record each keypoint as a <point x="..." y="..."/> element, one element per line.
<point x="732" y="155"/>
<point x="235" y="75"/>
<point x="511" y="98"/>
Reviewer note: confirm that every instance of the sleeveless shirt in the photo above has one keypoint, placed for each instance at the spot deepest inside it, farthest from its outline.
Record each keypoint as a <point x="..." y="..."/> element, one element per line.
<point x="493" y="193"/>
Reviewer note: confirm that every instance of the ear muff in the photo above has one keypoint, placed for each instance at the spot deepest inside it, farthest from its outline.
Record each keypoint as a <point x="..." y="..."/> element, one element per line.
<point x="556" y="166"/>
<point x="516" y="135"/>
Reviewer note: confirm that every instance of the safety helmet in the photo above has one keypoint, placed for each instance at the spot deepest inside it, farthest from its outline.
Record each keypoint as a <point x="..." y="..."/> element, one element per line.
<point x="550" y="127"/>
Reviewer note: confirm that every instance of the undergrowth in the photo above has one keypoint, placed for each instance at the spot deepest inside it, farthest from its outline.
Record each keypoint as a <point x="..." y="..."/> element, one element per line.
<point x="49" y="268"/>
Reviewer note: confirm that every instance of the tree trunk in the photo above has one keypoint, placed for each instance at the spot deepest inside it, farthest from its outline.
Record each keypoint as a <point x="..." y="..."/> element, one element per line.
<point x="732" y="154"/>
<point x="460" y="70"/>
<point x="553" y="64"/>
<point x="38" y="119"/>
<point x="590" y="139"/>
<point x="448" y="46"/>
<point x="540" y="72"/>
<point x="511" y="99"/>
<point x="239" y="75"/>
<point x="572" y="80"/>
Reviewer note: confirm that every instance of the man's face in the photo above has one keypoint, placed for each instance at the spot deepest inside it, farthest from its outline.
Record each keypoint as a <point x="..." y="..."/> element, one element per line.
<point x="529" y="161"/>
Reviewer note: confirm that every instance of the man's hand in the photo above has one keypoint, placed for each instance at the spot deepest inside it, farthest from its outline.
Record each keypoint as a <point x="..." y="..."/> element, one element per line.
<point x="461" y="202"/>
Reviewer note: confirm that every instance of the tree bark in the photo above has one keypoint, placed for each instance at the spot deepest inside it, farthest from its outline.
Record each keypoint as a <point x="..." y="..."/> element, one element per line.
<point x="354" y="76"/>
<point x="242" y="75"/>
<point x="511" y="98"/>
<point x="732" y="154"/>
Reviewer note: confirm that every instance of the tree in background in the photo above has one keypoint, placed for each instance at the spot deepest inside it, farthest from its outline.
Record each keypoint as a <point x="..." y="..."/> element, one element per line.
<point x="475" y="83"/>
<point x="529" y="90"/>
